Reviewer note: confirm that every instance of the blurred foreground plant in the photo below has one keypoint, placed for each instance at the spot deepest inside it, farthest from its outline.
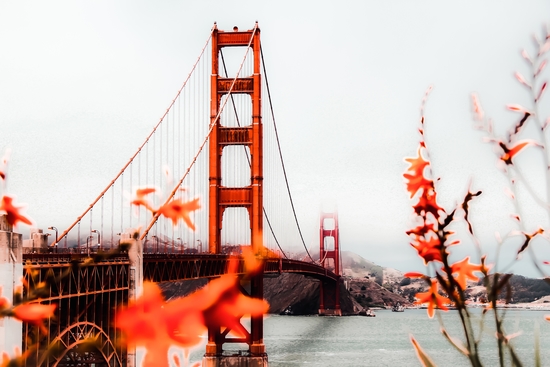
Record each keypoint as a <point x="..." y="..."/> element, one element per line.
<point x="155" y="324"/>
<point x="432" y="237"/>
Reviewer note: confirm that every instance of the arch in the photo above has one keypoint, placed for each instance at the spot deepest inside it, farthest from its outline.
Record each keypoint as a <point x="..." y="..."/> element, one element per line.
<point x="93" y="331"/>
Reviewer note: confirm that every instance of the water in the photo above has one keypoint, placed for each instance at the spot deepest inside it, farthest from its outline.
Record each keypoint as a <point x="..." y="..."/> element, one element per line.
<point x="384" y="340"/>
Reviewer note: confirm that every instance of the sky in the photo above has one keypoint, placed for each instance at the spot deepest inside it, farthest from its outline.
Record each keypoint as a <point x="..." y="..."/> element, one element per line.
<point x="82" y="84"/>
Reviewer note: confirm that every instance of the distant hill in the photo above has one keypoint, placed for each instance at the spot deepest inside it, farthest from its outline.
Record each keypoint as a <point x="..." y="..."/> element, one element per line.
<point x="365" y="285"/>
<point x="355" y="266"/>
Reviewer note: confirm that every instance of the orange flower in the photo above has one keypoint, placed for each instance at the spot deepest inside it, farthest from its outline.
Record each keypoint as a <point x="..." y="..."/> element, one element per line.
<point x="413" y="274"/>
<point x="429" y="250"/>
<point x="177" y="209"/>
<point x="415" y="174"/>
<point x="18" y="359"/>
<point x="5" y="360"/>
<point x="231" y="305"/>
<point x="465" y="270"/>
<point x="422" y="230"/>
<point x="4" y="303"/>
<point x="139" y="197"/>
<point x="427" y="204"/>
<point x="14" y="213"/>
<point x="156" y="324"/>
<point x="34" y="313"/>
<point x="433" y="299"/>
<point x="150" y="323"/>
<point x="252" y="262"/>
<point x="510" y="152"/>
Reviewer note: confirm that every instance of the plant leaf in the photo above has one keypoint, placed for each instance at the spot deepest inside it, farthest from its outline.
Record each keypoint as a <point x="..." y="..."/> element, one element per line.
<point x="424" y="359"/>
<point x="541" y="67"/>
<point x="522" y="80"/>
<point x="526" y="56"/>
<point x="455" y="343"/>
<point x="541" y="90"/>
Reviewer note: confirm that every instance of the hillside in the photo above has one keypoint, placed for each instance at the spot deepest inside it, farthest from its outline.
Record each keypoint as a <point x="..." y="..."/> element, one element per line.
<point x="371" y="286"/>
<point x="366" y="285"/>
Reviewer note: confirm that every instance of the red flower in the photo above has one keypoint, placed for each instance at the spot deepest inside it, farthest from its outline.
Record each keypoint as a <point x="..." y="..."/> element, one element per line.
<point x="14" y="213"/>
<point x="414" y="176"/>
<point x="433" y="299"/>
<point x="177" y="209"/>
<point x="429" y="250"/>
<point x="427" y="203"/>
<point x="422" y="230"/>
<point x="139" y="197"/>
<point x="34" y="313"/>
<point x="156" y="324"/>
<point x="510" y="152"/>
<point x="465" y="270"/>
<point x="150" y="323"/>
<point x="413" y="274"/>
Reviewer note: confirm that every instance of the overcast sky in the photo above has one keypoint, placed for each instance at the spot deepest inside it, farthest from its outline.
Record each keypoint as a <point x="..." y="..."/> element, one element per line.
<point x="82" y="83"/>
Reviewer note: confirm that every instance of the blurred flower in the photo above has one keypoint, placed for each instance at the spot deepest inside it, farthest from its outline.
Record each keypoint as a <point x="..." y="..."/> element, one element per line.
<point x="14" y="213"/>
<point x="178" y="209"/>
<point x="428" y="250"/>
<point x="139" y="197"/>
<point x="34" y="313"/>
<point x="146" y="323"/>
<point x="414" y="176"/>
<point x="465" y="270"/>
<point x="156" y="324"/>
<point x="433" y="298"/>
<point x="510" y="152"/>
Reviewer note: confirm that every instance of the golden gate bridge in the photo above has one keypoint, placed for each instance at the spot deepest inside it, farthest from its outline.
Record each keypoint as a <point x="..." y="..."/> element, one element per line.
<point x="215" y="146"/>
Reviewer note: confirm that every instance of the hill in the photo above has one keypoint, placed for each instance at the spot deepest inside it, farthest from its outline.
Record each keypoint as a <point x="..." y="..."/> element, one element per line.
<point x="371" y="286"/>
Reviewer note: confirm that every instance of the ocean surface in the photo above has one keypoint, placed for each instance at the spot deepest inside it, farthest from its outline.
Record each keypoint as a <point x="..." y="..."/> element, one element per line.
<point x="384" y="340"/>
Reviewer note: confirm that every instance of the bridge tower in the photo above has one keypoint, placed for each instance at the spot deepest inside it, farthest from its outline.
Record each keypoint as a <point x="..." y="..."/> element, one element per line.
<point x="330" y="250"/>
<point x="249" y="197"/>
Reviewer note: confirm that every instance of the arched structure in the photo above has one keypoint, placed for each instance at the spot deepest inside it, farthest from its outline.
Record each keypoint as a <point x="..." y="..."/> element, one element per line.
<point x="67" y="351"/>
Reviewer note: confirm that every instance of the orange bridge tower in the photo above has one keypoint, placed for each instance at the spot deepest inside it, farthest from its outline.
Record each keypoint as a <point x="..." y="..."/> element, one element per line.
<point x="329" y="254"/>
<point x="249" y="197"/>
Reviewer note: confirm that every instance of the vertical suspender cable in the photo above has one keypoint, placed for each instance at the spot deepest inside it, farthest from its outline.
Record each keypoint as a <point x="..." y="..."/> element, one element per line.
<point x="140" y="148"/>
<point x="248" y="157"/>
<point x="281" y="156"/>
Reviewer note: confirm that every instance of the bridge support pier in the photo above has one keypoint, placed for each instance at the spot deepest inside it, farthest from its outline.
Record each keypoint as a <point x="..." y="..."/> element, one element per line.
<point x="135" y="255"/>
<point x="329" y="304"/>
<point x="256" y="355"/>
<point x="329" y="250"/>
<point x="234" y="361"/>
<point x="11" y="271"/>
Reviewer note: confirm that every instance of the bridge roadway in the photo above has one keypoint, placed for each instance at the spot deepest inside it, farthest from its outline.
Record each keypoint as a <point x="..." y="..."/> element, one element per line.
<point x="170" y="267"/>
<point x="166" y="267"/>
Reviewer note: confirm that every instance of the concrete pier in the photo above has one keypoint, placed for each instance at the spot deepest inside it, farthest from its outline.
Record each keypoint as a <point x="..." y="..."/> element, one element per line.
<point x="135" y="254"/>
<point x="235" y="361"/>
<point x="11" y="271"/>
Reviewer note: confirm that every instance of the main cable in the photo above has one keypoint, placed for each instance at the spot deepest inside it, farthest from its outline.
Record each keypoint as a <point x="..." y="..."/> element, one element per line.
<point x="281" y="156"/>
<point x="248" y="158"/>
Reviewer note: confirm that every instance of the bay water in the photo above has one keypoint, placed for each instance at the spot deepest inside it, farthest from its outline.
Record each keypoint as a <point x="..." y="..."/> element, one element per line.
<point x="384" y="340"/>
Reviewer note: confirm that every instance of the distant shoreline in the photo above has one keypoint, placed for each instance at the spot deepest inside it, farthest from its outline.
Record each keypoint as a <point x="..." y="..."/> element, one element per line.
<point x="511" y="306"/>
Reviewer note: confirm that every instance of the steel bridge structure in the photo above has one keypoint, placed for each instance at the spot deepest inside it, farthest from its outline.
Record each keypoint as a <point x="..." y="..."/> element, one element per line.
<point x="219" y="139"/>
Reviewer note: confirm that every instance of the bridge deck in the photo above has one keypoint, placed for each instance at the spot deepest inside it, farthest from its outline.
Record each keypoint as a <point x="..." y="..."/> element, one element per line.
<point x="163" y="267"/>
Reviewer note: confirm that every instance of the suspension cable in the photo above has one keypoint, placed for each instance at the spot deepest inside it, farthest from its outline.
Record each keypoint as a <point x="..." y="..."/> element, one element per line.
<point x="212" y="124"/>
<point x="140" y="148"/>
<point x="281" y="156"/>
<point x="248" y="160"/>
